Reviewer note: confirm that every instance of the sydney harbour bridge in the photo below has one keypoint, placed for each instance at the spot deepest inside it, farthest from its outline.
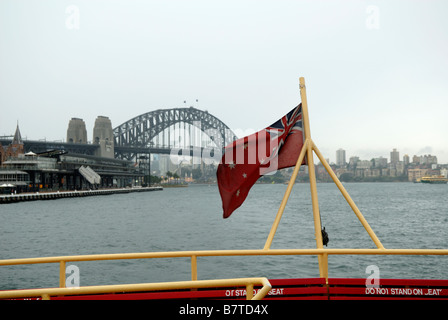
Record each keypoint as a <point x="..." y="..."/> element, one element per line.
<point x="175" y="131"/>
<point x="182" y="131"/>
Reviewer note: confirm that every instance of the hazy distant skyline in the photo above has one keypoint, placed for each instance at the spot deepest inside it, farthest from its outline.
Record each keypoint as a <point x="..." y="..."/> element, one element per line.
<point x="376" y="71"/>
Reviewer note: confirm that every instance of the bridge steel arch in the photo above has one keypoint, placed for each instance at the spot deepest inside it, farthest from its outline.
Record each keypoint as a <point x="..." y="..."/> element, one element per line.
<point x="135" y="135"/>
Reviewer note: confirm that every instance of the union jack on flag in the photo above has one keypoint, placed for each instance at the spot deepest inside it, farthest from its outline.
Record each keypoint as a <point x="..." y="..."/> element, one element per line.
<point x="279" y="146"/>
<point x="288" y="125"/>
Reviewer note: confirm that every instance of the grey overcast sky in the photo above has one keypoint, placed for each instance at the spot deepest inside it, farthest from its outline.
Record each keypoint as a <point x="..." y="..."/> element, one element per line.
<point x="376" y="71"/>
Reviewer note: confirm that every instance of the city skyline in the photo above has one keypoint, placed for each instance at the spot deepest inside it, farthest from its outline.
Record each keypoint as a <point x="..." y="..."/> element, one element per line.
<point x="365" y="156"/>
<point x="375" y="72"/>
<point x="399" y="157"/>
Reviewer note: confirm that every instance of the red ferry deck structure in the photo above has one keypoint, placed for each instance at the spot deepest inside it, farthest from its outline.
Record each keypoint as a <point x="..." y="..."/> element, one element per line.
<point x="322" y="288"/>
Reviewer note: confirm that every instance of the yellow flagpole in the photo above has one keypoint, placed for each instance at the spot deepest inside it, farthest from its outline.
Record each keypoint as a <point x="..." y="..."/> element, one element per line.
<point x="307" y="150"/>
<point x="323" y="259"/>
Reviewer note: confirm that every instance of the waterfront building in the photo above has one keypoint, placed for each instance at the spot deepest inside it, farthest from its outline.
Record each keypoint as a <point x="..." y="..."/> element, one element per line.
<point x="375" y="172"/>
<point x="364" y="164"/>
<point x="15" y="148"/>
<point x="392" y="172"/>
<point x="359" y="173"/>
<point x="416" y="174"/>
<point x="380" y="162"/>
<point x="12" y="180"/>
<point x="58" y="170"/>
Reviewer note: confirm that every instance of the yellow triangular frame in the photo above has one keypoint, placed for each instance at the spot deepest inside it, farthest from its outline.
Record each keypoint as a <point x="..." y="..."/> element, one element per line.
<point x="307" y="150"/>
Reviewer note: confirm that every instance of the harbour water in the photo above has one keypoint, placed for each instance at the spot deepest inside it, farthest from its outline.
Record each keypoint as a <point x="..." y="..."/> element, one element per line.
<point x="403" y="215"/>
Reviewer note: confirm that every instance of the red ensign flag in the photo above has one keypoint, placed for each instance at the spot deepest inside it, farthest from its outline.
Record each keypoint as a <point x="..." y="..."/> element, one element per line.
<point x="247" y="159"/>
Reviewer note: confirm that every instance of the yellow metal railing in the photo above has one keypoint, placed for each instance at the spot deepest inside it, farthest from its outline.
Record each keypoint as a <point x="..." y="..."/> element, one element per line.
<point x="193" y="255"/>
<point x="46" y="293"/>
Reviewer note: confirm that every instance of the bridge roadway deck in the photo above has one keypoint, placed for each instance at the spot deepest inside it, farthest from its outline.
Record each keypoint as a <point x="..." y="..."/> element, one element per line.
<point x="89" y="149"/>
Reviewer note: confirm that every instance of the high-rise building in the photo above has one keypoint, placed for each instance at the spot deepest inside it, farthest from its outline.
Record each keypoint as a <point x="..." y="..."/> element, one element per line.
<point x="428" y="159"/>
<point x="340" y="157"/>
<point x="394" y="156"/>
<point x="406" y="159"/>
<point x="416" y="159"/>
